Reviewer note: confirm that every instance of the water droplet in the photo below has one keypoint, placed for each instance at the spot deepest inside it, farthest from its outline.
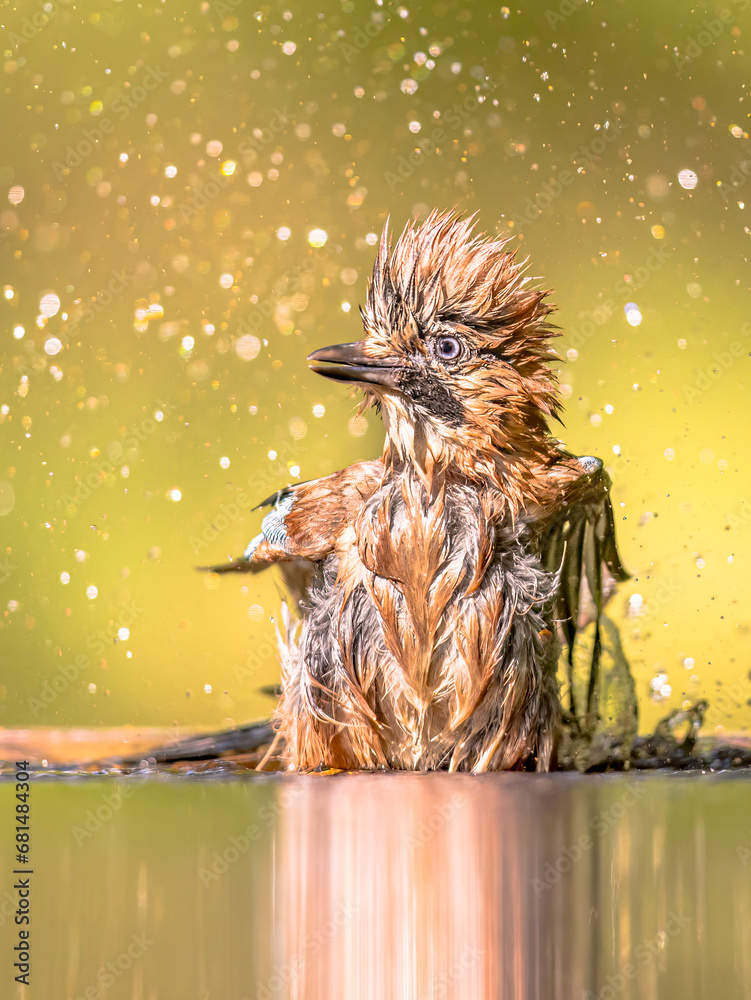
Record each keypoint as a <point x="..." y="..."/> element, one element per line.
<point x="317" y="237"/>
<point x="687" y="179"/>
<point x="49" y="304"/>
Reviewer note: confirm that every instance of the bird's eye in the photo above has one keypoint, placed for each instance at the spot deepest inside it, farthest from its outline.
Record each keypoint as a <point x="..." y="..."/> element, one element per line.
<point x="448" y="348"/>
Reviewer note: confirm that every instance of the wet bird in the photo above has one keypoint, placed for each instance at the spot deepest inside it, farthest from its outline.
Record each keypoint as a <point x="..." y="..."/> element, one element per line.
<point x="438" y="583"/>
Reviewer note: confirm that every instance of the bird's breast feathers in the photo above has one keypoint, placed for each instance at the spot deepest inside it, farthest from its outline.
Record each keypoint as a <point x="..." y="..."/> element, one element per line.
<point x="429" y="615"/>
<point x="448" y="573"/>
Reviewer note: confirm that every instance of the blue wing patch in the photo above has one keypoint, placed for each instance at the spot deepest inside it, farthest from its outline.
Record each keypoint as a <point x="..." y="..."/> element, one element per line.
<point x="589" y="463"/>
<point x="248" y="553"/>
<point x="273" y="528"/>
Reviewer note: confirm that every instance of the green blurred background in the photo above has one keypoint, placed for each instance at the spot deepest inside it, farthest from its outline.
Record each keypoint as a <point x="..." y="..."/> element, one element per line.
<point x="190" y="202"/>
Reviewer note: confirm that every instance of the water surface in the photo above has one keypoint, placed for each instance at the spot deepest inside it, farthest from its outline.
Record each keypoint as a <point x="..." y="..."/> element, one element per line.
<point x="392" y="886"/>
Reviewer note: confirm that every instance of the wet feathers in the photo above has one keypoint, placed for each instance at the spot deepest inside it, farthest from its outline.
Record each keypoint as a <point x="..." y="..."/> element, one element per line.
<point x="432" y="596"/>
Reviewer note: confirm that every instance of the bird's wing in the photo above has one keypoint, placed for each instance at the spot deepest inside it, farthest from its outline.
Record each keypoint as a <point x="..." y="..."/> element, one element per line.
<point x="306" y="519"/>
<point x="578" y="542"/>
<point x="286" y="491"/>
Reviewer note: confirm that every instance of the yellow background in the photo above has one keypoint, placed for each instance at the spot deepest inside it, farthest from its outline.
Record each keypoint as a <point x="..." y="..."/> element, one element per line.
<point x="193" y="142"/>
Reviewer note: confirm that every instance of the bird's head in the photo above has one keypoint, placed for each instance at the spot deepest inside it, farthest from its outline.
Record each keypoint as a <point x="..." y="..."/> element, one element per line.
<point x="455" y="353"/>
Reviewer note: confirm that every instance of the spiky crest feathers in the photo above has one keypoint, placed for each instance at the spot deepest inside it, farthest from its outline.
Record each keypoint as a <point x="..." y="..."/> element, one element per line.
<point x="440" y="271"/>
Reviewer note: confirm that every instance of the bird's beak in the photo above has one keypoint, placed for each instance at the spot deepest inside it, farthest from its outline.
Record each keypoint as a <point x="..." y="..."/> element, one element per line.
<point x="350" y="363"/>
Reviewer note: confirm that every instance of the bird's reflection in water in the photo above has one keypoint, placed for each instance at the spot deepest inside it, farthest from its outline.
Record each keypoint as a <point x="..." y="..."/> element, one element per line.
<point x="414" y="887"/>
